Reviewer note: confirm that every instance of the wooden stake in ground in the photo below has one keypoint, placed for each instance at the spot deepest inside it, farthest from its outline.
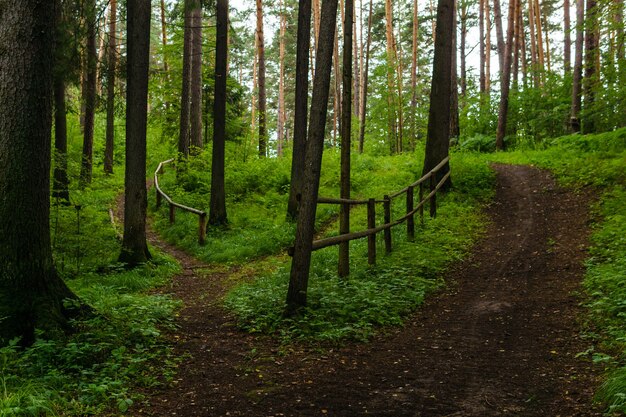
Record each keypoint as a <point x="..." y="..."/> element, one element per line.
<point x="301" y="263"/>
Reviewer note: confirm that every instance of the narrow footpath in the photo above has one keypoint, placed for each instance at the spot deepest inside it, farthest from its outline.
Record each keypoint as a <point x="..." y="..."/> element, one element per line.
<point x="501" y="340"/>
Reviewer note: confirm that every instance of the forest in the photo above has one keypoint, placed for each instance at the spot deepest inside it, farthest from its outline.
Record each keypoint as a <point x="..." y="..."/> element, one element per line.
<point x="313" y="207"/>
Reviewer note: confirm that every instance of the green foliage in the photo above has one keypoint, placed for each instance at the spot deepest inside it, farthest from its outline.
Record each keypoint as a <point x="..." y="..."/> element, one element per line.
<point x="357" y="307"/>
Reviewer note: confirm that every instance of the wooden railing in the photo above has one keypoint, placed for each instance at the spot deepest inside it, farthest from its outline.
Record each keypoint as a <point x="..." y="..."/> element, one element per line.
<point x="411" y="210"/>
<point x="160" y="195"/>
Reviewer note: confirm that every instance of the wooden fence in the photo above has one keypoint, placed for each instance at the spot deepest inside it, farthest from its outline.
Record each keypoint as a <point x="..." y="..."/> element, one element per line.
<point x="160" y="195"/>
<point x="411" y="210"/>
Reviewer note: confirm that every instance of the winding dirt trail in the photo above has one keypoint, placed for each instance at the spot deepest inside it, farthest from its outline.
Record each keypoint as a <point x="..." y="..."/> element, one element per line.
<point x="500" y="341"/>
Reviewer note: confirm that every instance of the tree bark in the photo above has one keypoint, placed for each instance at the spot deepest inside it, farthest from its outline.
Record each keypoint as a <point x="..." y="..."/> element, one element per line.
<point x="488" y="48"/>
<point x="31" y="292"/>
<point x="578" y="68"/>
<point x="391" y="66"/>
<point x="111" y="67"/>
<point x="590" y="76"/>
<point x="195" y="105"/>
<point x="455" y="129"/>
<point x="533" y="45"/>
<point x="134" y="246"/>
<point x="90" y="95"/>
<point x="301" y="263"/>
<point x="261" y="84"/>
<point x="365" y="80"/>
<point x="185" y="102"/>
<point x="567" y="38"/>
<point x="414" y="63"/>
<point x="497" y="15"/>
<point x="481" y="41"/>
<point x="60" y="185"/>
<point x="506" y="80"/>
<point x="281" y="80"/>
<point x="336" y="90"/>
<point x="346" y="133"/>
<point x="438" y="140"/>
<point x="300" y="106"/>
<point x="217" y="212"/>
<point x="164" y="36"/>
<point x="464" y="17"/>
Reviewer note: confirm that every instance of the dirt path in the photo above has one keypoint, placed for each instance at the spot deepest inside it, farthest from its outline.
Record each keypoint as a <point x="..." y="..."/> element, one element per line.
<point x="500" y="341"/>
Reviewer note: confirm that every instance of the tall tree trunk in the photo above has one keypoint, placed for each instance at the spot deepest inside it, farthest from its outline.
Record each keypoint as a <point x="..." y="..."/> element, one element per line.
<point x="438" y="140"/>
<point x="391" y="65"/>
<point x="101" y="28"/>
<point x="522" y="41"/>
<point x="414" y="63"/>
<point x="195" y="106"/>
<point x="300" y="107"/>
<point x="262" y="91"/>
<point x="567" y="38"/>
<point x="134" y="246"/>
<point x="31" y="292"/>
<point x="539" y="33"/>
<point x="365" y="80"/>
<point x="506" y="80"/>
<point x="301" y="263"/>
<point x="90" y="95"/>
<point x="281" y="80"/>
<point x="533" y="44"/>
<point x="590" y="80"/>
<point x="60" y="185"/>
<point x="497" y="16"/>
<point x="217" y="212"/>
<point x="481" y="42"/>
<point x="455" y="129"/>
<point x="356" y="79"/>
<point x="112" y="65"/>
<point x="464" y="17"/>
<point x="346" y="133"/>
<point x="578" y="68"/>
<point x="399" y="84"/>
<point x="336" y="89"/>
<point x="185" y="102"/>
<point x="164" y="36"/>
<point x="517" y="28"/>
<point x="488" y="48"/>
<point x="547" y="36"/>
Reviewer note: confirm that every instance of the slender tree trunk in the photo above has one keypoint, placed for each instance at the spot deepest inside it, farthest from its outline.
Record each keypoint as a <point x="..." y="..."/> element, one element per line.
<point x="464" y="17"/>
<point x="533" y="44"/>
<point x="516" y="46"/>
<point x="195" y="105"/>
<point x="438" y="141"/>
<point x="60" y="185"/>
<point x="481" y="41"/>
<point x="365" y="80"/>
<point x="134" y="246"/>
<point x="301" y="263"/>
<point x="414" y="63"/>
<point x="356" y="79"/>
<point x="539" y="33"/>
<point x="506" y="80"/>
<point x="547" y="36"/>
<point x="336" y="90"/>
<point x="300" y="107"/>
<point x="567" y="38"/>
<point x="455" y="131"/>
<point x="90" y="96"/>
<point x="164" y="36"/>
<point x="590" y="80"/>
<point x="497" y="16"/>
<point x="262" y="91"/>
<point x="522" y="41"/>
<point x="361" y="62"/>
<point x="346" y="133"/>
<point x="281" y="80"/>
<point x="217" y="212"/>
<point x="391" y="100"/>
<point x="185" y="102"/>
<point x="31" y="292"/>
<point x="578" y="68"/>
<point x="399" y="84"/>
<point x="488" y="48"/>
<point x="101" y="28"/>
<point x="112" y="66"/>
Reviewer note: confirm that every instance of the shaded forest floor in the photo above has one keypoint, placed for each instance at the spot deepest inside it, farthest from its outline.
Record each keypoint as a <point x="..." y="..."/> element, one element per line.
<point x="501" y="339"/>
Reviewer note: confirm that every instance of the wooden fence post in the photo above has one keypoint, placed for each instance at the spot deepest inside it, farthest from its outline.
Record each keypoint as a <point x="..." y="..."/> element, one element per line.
<point x="172" y="213"/>
<point x="371" y="239"/>
<point x="387" y="216"/>
<point x="202" y="228"/>
<point x="433" y="199"/>
<point x="421" y="193"/>
<point x="410" y="224"/>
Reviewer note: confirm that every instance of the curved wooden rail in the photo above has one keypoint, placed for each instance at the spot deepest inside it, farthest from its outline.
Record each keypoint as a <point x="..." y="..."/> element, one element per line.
<point x="411" y="211"/>
<point x="160" y="195"/>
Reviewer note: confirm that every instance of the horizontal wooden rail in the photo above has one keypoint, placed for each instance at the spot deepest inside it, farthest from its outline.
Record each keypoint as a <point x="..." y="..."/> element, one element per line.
<point x="160" y="194"/>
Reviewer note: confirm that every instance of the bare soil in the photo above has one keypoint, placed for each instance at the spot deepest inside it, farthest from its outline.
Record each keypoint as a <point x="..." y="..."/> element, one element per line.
<point x="501" y="340"/>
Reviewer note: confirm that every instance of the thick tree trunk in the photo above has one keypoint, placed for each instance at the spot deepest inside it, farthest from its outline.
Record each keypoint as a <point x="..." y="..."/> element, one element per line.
<point x="31" y="293"/>
<point x="506" y="80"/>
<point x="578" y="68"/>
<point x="195" y="105"/>
<point x="90" y="95"/>
<point x="112" y="64"/>
<point x="346" y="133"/>
<point x="301" y="263"/>
<point x="134" y="246"/>
<point x="185" y="101"/>
<point x="217" y="213"/>
<point x="300" y="106"/>
<point x="261" y="84"/>
<point x="438" y="140"/>
<point x="365" y="80"/>
<point x="590" y="75"/>
<point x="567" y="38"/>
<point x="497" y="15"/>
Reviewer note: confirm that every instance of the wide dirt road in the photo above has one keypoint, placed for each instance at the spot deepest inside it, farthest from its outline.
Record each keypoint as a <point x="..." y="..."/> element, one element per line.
<point x="500" y="341"/>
